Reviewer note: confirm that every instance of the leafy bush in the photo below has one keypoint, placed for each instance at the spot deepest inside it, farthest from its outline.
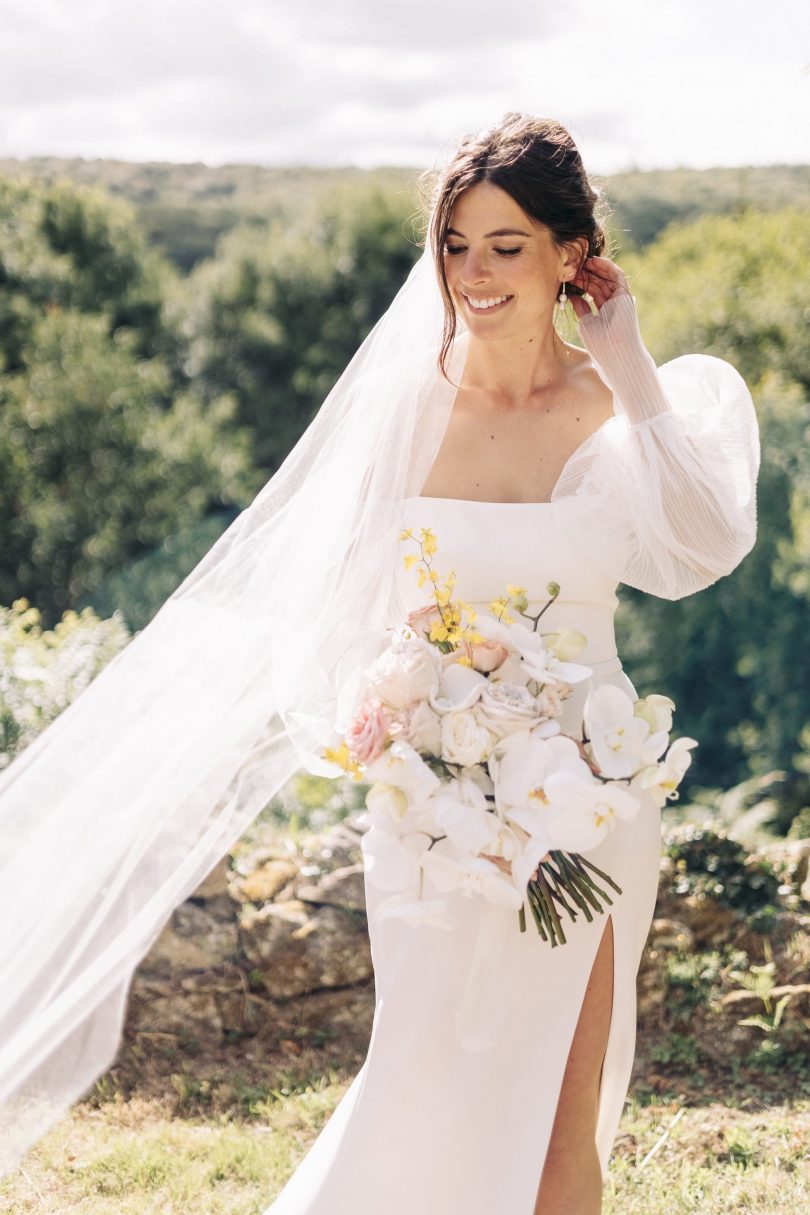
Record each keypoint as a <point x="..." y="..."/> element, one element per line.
<point x="43" y="671"/>
<point x="707" y="862"/>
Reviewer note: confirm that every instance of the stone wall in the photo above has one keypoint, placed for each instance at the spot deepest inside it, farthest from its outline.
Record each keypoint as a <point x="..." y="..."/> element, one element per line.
<point x="278" y="936"/>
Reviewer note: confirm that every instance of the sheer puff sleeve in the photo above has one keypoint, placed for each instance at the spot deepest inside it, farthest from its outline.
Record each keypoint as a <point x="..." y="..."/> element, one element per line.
<point x="663" y="495"/>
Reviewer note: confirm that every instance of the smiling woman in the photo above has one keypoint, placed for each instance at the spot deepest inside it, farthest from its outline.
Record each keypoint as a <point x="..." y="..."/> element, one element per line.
<point x="497" y="1066"/>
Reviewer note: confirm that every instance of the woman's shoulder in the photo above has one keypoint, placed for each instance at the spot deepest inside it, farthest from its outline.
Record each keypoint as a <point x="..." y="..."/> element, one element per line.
<point x="587" y="386"/>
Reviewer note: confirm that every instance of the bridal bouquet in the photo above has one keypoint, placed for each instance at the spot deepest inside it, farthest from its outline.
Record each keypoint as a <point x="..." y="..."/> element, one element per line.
<point x="473" y="781"/>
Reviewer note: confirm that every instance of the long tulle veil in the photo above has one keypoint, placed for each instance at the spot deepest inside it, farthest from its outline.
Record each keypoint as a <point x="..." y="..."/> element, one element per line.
<point x="114" y="814"/>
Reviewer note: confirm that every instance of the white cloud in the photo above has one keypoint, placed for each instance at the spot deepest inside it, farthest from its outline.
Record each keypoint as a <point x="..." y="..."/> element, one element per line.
<point x="645" y="82"/>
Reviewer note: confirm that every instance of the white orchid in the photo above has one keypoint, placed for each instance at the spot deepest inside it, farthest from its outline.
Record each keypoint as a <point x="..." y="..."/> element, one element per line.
<point x="656" y="711"/>
<point x="384" y="801"/>
<point x="565" y="644"/>
<point x="662" y="779"/>
<point x="620" y="742"/>
<point x="402" y="766"/>
<point x="459" y="810"/>
<point x="389" y="861"/>
<point x="471" y="875"/>
<point x="581" y="814"/>
<point x="540" y="662"/>
<point x="458" y="687"/>
<point x="521" y="767"/>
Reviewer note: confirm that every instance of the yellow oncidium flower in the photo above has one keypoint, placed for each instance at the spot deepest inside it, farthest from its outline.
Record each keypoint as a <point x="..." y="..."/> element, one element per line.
<point x="438" y="631"/>
<point x="341" y="756"/>
<point x="406" y="534"/>
<point x="428" y="539"/>
<point x="513" y="591"/>
<point x="410" y="560"/>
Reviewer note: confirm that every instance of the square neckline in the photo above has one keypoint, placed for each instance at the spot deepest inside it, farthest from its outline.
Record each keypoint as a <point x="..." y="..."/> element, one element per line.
<point x="469" y="501"/>
<point x="608" y="422"/>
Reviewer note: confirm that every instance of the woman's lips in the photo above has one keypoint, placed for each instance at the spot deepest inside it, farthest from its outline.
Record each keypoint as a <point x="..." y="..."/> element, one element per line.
<point x="503" y="301"/>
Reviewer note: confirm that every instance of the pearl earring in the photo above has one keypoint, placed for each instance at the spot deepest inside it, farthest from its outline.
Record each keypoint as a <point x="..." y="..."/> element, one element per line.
<point x="562" y="299"/>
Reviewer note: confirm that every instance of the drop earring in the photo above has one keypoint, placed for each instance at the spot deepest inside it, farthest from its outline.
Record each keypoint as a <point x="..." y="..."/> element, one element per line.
<point x="562" y="299"/>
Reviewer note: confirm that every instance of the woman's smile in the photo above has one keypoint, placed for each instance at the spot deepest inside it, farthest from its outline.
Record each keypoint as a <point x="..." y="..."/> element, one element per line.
<point x="486" y="303"/>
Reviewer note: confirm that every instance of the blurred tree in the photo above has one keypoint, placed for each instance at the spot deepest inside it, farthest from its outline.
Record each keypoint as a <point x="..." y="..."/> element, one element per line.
<point x="737" y="286"/>
<point x="99" y="462"/>
<point x="277" y="315"/>
<point x="75" y="248"/>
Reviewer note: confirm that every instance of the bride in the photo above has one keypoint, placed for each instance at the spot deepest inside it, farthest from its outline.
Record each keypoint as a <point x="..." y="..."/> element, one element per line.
<point x="497" y="1067"/>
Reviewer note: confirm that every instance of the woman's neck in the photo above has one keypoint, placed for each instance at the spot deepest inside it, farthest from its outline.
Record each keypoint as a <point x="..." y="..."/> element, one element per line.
<point x="511" y="372"/>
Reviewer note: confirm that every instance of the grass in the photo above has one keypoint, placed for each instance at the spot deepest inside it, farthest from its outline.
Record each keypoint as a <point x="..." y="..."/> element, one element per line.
<point x="131" y="1157"/>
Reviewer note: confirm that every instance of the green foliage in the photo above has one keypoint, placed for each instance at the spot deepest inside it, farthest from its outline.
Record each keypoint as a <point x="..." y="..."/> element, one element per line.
<point x="734" y="286"/>
<point x="707" y="862"/>
<point x="314" y="803"/>
<point x="275" y="318"/>
<point x="99" y="463"/>
<point x="63" y="248"/>
<point x="691" y="978"/>
<point x="761" y="982"/>
<point x="44" y="670"/>
<point x="735" y="657"/>
<point x="679" y="1052"/>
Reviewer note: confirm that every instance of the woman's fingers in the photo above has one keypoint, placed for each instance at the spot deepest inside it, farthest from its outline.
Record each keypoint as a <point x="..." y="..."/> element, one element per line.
<point x="601" y="278"/>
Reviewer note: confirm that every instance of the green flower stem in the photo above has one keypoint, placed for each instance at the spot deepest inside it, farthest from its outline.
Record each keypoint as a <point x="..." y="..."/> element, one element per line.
<point x="584" y="862"/>
<point x="573" y="893"/>
<point x="535" y="910"/>
<point x="552" y="910"/>
<point x="557" y="891"/>
<point x="522" y="917"/>
<point x="592" y="886"/>
<point x="587" y="883"/>
<point x="577" y="888"/>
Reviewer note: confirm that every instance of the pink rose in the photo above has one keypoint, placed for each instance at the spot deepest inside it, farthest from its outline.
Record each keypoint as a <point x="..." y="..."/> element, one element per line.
<point x="485" y="656"/>
<point x="368" y="733"/>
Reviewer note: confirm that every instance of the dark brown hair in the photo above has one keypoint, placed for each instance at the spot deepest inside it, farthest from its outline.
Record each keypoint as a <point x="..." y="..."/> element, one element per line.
<point x="534" y="160"/>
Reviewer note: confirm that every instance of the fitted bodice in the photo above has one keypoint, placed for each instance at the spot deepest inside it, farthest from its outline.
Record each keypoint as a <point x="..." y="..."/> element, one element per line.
<point x="491" y="544"/>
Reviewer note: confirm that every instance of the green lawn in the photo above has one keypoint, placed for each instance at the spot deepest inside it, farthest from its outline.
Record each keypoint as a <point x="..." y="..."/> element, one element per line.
<point x="129" y="1157"/>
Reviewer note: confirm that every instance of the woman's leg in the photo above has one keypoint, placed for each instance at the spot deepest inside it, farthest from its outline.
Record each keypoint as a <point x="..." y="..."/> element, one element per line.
<point x="571" y="1183"/>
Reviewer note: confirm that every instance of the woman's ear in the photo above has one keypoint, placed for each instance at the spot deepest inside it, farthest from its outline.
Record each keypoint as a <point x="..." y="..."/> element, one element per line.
<point x="574" y="253"/>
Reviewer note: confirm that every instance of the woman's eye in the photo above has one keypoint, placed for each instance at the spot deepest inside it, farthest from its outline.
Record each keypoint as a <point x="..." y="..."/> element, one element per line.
<point x="454" y="248"/>
<point x="509" y="252"/>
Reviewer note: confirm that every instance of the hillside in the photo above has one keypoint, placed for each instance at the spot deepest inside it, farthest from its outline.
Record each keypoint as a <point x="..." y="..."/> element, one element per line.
<point x="184" y="208"/>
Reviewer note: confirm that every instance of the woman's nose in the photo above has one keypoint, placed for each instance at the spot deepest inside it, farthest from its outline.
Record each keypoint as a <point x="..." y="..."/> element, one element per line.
<point x="474" y="270"/>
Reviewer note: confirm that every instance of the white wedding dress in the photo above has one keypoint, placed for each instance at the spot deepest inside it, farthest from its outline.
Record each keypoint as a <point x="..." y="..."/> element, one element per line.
<point x="452" y="1110"/>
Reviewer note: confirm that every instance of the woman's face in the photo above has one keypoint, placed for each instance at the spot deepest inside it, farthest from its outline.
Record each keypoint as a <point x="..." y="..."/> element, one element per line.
<point x="503" y="269"/>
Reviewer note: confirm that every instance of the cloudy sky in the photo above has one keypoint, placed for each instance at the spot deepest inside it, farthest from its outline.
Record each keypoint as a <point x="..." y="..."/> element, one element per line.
<point x="640" y="83"/>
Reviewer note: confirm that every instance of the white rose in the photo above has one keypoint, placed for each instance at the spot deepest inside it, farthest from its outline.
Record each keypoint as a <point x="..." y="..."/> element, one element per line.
<point x="506" y="707"/>
<point x="405" y="672"/>
<point x="421" y="727"/>
<point x="464" y="740"/>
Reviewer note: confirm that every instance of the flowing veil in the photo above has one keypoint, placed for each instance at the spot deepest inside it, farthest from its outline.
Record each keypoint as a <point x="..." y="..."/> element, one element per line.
<point x="115" y="813"/>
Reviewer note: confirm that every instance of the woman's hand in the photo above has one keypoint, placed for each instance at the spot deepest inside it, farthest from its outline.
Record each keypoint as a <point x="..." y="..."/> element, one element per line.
<point x="601" y="278"/>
